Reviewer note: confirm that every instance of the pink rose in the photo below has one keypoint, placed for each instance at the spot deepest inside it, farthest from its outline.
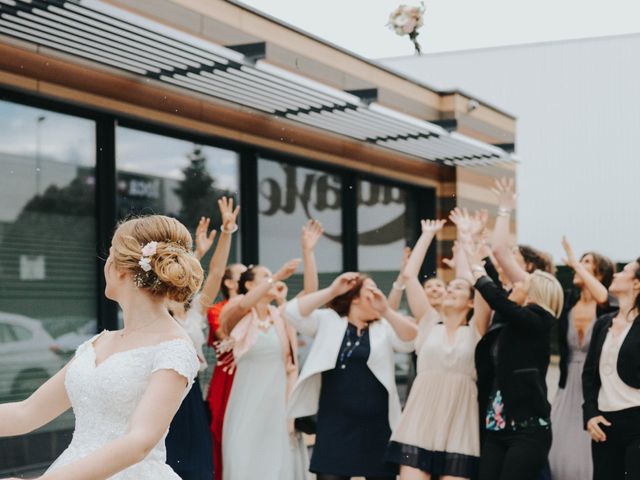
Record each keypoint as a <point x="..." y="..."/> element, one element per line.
<point x="149" y="249"/>
<point x="409" y="26"/>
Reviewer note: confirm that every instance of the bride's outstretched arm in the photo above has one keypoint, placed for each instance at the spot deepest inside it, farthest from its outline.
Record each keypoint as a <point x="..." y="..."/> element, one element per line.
<point x="148" y="424"/>
<point x="44" y="405"/>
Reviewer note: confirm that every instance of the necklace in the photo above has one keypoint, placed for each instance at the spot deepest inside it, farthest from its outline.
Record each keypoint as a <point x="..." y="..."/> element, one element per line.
<point x="349" y="347"/>
<point x="124" y="331"/>
<point x="266" y="323"/>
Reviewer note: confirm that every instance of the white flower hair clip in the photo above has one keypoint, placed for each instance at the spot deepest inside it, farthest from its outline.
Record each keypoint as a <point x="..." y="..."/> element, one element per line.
<point x="148" y="251"/>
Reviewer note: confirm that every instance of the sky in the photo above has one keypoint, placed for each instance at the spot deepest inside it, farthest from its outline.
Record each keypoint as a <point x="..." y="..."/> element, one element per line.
<point x="359" y="25"/>
<point x="552" y="152"/>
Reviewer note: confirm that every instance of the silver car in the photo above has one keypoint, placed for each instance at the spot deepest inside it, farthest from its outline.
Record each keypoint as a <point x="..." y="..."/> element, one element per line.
<point x="28" y="356"/>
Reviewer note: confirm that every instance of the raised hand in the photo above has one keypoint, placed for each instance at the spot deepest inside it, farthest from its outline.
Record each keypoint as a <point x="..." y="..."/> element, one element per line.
<point x="228" y="215"/>
<point x="570" y="259"/>
<point x="378" y="300"/>
<point x="479" y="224"/>
<point x="287" y="270"/>
<point x="311" y="233"/>
<point x="344" y="283"/>
<point x="203" y="240"/>
<point x="281" y="291"/>
<point x="505" y="191"/>
<point x="432" y="226"/>
<point x="462" y="220"/>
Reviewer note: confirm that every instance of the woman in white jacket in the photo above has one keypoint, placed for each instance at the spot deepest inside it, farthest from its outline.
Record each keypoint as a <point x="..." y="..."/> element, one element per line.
<point x="348" y="378"/>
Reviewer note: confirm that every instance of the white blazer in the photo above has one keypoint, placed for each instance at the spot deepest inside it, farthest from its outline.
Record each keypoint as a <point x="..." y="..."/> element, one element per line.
<point x="328" y="329"/>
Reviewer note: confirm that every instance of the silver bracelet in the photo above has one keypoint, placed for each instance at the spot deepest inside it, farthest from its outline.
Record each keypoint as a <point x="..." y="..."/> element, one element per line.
<point x="235" y="229"/>
<point x="478" y="269"/>
<point x="504" y="212"/>
<point x="395" y="286"/>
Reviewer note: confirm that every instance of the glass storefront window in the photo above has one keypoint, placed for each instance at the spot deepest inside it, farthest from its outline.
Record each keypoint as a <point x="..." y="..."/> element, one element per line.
<point x="289" y="196"/>
<point x="47" y="274"/>
<point x="164" y="175"/>
<point x="169" y="176"/>
<point x="383" y="231"/>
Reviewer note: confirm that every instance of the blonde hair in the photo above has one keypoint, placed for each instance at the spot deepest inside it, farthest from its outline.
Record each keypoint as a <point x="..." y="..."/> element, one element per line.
<point x="546" y="291"/>
<point x="175" y="273"/>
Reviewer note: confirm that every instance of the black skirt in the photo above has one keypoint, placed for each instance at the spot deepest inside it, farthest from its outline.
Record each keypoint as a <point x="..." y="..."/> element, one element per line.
<point x="353" y="416"/>
<point x="189" y="447"/>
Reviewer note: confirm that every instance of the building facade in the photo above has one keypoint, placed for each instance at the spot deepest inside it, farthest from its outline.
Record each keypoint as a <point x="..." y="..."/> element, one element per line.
<point x="116" y="108"/>
<point x="577" y="103"/>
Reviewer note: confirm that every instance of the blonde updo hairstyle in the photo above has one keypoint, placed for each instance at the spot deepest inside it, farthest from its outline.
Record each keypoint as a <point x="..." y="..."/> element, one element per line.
<point x="175" y="273"/>
<point x="546" y="291"/>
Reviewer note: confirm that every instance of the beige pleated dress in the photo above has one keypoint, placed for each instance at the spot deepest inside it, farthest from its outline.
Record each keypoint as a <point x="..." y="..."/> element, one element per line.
<point x="439" y="432"/>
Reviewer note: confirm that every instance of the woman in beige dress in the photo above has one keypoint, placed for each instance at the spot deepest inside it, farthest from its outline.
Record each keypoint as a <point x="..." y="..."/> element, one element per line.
<point x="438" y="434"/>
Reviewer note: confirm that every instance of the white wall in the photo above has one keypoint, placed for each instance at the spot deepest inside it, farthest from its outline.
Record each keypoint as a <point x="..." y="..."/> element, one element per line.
<point x="578" y="134"/>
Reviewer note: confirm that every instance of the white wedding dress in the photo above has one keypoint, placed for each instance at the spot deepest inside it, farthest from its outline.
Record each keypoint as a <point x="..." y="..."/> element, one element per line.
<point x="105" y="396"/>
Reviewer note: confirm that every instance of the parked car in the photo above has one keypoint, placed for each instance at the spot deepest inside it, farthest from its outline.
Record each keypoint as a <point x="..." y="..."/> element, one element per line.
<point x="28" y="356"/>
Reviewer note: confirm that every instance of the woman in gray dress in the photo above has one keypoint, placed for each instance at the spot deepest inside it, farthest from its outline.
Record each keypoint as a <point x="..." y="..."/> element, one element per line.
<point x="570" y="456"/>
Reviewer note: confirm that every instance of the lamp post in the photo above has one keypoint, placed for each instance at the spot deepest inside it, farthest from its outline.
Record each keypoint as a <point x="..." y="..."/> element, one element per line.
<point x="39" y="120"/>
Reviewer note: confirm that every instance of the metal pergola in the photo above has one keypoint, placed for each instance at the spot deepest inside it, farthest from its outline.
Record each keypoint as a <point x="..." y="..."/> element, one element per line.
<point x="101" y="33"/>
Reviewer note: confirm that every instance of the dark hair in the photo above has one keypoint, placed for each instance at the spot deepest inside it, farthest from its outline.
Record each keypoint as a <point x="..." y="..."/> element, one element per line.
<point x="247" y="276"/>
<point x="228" y="275"/>
<point x="602" y="267"/>
<point x="342" y="303"/>
<point x="636" y="303"/>
<point x="536" y="258"/>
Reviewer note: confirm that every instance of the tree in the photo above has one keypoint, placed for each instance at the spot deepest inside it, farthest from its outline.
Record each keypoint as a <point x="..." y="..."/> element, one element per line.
<point x="196" y="191"/>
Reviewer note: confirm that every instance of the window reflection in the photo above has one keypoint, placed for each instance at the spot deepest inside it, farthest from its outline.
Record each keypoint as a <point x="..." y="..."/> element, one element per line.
<point x="47" y="274"/>
<point x="382" y="233"/>
<point x="169" y="176"/>
<point x="289" y="196"/>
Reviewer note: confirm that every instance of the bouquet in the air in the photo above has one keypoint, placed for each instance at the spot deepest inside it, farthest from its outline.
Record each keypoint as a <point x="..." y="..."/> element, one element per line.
<point x="406" y="20"/>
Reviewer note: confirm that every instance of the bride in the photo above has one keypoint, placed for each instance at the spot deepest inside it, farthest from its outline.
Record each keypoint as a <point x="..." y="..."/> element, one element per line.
<point x="124" y="386"/>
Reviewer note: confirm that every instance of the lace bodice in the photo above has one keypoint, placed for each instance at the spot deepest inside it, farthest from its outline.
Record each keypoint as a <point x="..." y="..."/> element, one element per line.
<point x="105" y="396"/>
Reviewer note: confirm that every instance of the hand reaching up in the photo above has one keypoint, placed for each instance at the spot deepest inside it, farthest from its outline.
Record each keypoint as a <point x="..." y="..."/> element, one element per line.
<point x="505" y="191"/>
<point x="570" y="260"/>
<point x="311" y="233"/>
<point x="378" y="300"/>
<point x="432" y="226"/>
<point x="344" y="283"/>
<point x="286" y="270"/>
<point x="228" y="215"/>
<point x="203" y="240"/>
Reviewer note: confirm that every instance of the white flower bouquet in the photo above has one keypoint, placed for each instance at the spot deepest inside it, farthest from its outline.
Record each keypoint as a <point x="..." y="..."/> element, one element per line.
<point x="406" y="20"/>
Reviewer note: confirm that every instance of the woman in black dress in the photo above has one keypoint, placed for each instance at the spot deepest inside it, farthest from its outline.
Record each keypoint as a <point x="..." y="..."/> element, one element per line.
<point x="348" y="378"/>
<point x="516" y="410"/>
<point x="611" y="383"/>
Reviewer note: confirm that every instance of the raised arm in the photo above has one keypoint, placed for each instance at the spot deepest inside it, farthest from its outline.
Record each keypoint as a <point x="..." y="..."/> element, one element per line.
<point x="397" y="289"/>
<point x="418" y="302"/>
<point x="233" y="312"/>
<point x="203" y="240"/>
<point x="44" y="405"/>
<point x="500" y="301"/>
<point x="219" y="260"/>
<point x="404" y="327"/>
<point x="147" y="426"/>
<point x="473" y="254"/>
<point x="597" y="290"/>
<point x="342" y="284"/>
<point x="505" y="191"/>
<point x="311" y="233"/>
